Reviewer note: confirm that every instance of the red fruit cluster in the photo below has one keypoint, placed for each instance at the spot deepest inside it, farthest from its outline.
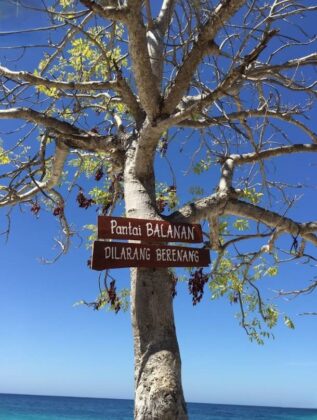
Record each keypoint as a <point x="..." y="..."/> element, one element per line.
<point x="58" y="211"/>
<point x="113" y="297"/>
<point x="115" y="192"/>
<point x="161" y="203"/>
<point x="109" y="203"/>
<point x="83" y="201"/>
<point x="106" y="207"/>
<point x="99" y="174"/>
<point x="172" y="189"/>
<point x="196" y="285"/>
<point x="35" y="208"/>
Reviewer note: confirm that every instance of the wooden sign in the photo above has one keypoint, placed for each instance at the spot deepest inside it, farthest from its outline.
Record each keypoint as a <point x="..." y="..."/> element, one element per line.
<point x="149" y="230"/>
<point x="120" y="254"/>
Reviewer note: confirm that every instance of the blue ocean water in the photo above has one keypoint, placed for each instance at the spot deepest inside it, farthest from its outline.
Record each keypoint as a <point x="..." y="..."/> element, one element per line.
<point x="29" y="407"/>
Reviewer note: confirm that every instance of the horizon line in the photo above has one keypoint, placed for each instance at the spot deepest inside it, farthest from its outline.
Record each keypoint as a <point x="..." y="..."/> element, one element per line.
<point x="129" y="399"/>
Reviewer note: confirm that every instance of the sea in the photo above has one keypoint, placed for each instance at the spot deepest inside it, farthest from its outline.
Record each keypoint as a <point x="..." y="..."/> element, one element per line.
<point x="33" y="407"/>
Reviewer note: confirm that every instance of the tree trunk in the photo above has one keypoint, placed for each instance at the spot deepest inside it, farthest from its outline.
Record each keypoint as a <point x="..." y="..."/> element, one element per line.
<point x="158" y="387"/>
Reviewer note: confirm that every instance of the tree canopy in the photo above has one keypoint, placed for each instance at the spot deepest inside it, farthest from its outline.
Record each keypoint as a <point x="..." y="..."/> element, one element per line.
<point x="121" y="89"/>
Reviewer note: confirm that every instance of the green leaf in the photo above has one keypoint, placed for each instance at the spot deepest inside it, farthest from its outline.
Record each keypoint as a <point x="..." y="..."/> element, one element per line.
<point x="271" y="271"/>
<point x="250" y="194"/>
<point x="202" y="166"/>
<point x="93" y="234"/>
<point x="65" y="3"/>
<point x="241" y="224"/>
<point x="289" y="323"/>
<point x="4" y="158"/>
<point x="271" y="316"/>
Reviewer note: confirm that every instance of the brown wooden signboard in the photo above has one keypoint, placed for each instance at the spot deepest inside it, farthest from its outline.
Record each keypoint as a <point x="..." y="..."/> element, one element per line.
<point x="120" y="254"/>
<point x="147" y="230"/>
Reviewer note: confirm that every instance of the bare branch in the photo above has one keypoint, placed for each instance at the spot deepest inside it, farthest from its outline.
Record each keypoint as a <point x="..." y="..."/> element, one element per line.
<point x="24" y="31"/>
<point x="149" y="18"/>
<point x="304" y="291"/>
<point x="284" y="115"/>
<point x="143" y="73"/>
<point x="203" y="45"/>
<point x="108" y="12"/>
<point x="165" y="16"/>
<point x="68" y="133"/>
<point x="309" y="313"/>
<point x="223" y="203"/>
<point x="272" y="219"/>
<point x="25" y="194"/>
<point x="43" y="81"/>
<point x="233" y="80"/>
<point x="202" y="209"/>
<point x="274" y="152"/>
<point x="67" y="233"/>
<point x="40" y="118"/>
<point x="225" y="183"/>
<point x="308" y="60"/>
<point x="68" y="36"/>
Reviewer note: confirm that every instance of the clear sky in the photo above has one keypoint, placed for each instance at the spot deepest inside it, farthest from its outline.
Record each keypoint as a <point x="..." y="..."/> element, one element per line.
<point x="48" y="346"/>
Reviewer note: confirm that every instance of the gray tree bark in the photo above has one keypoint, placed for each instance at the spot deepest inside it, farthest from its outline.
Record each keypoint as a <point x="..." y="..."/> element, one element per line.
<point x="158" y="385"/>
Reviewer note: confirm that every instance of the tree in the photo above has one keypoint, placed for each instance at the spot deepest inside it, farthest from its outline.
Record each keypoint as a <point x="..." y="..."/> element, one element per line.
<point x="117" y="83"/>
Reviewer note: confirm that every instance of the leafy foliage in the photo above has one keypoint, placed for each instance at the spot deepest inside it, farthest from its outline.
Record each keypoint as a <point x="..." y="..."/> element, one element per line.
<point x="240" y="109"/>
<point x="166" y="197"/>
<point x="4" y="156"/>
<point x="241" y="224"/>
<point x="250" y="194"/>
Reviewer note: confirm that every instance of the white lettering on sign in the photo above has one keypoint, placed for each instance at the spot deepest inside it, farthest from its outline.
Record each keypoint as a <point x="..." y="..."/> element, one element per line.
<point x="147" y="230"/>
<point x="119" y="255"/>
<point x="144" y="254"/>
<point x="176" y="232"/>
<point x="177" y="255"/>
<point x="128" y="253"/>
<point x="125" y="230"/>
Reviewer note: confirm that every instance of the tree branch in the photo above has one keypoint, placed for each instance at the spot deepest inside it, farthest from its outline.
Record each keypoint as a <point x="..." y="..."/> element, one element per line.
<point x="43" y="81"/>
<point x="165" y="16"/>
<point x="40" y="29"/>
<point x="283" y="224"/>
<point x="14" y="197"/>
<point x="120" y="85"/>
<point x="144" y="77"/>
<point x="274" y="152"/>
<point x="68" y="133"/>
<point x="284" y="115"/>
<point x="203" y="45"/>
<point x="247" y="70"/>
<point x="232" y="81"/>
<point x="202" y="209"/>
<point x="294" y="293"/>
<point x="224" y="203"/>
<point x="108" y="12"/>
<point x="307" y="60"/>
<point x="67" y="38"/>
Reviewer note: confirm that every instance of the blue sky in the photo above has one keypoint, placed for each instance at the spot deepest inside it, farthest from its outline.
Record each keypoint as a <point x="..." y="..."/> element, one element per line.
<point x="50" y="347"/>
